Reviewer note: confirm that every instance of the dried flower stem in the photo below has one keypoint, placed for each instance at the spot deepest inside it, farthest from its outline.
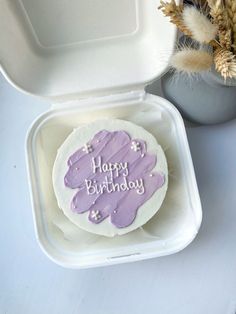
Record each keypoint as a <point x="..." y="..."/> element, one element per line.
<point x="174" y="11"/>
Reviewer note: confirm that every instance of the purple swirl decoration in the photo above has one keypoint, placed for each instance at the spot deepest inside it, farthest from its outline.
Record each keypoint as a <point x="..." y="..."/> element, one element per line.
<point x="113" y="177"/>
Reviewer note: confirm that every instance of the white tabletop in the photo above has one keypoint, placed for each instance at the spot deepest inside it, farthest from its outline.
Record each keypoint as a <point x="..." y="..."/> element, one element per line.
<point x="200" y="279"/>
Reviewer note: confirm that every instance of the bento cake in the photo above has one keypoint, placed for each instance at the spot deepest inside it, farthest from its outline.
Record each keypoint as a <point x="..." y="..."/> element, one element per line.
<point x="110" y="177"/>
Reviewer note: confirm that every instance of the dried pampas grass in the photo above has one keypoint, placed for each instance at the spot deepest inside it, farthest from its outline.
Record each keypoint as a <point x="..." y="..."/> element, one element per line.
<point x="191" y="61"/>
<point x="201" y="28"/>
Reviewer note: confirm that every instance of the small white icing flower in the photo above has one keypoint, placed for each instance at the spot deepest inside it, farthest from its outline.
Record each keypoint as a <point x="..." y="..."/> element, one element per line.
<point x="95" y="214"/>
<point x="135" y="146"/>
<point x="87" y="148"/>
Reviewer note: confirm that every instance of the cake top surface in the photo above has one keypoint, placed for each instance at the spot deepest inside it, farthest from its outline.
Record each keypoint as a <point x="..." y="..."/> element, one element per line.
<point x="110" y="177"/>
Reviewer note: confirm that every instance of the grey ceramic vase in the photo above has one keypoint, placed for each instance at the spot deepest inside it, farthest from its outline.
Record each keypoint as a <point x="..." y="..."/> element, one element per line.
<point x="204" y="99"/>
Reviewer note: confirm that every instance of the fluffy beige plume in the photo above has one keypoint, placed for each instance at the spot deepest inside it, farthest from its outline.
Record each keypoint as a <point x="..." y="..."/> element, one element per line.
<point x="200" y="26"/>
<point x="225" y="63"/>
<point x="191" y="60"/>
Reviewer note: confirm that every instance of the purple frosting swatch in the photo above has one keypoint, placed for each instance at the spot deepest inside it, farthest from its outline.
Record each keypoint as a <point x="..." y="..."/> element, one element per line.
<point x="113" y="177"/>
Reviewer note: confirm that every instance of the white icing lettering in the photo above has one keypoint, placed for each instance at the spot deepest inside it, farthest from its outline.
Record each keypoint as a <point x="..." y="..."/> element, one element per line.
<point x="98" y="165"/>
<point x="105" y="168"/>
<point x="113" y="168"/>
<point x="90" y="188"/>
<point x="106" y="182"/>
<point x="125" y="168"/>
<point x="140" y="186"/>
<point x="124" y="185"/>
<point x="116" y="187"/>
<point x="132" y="185"/>
<point x="110" y="186"/>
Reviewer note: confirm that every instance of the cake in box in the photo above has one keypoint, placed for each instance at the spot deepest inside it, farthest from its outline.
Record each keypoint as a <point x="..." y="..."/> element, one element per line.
<point x="110" y="177"/>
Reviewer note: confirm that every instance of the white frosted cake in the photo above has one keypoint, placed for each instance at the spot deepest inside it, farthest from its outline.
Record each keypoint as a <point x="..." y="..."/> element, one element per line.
<point x="110" y="177"/>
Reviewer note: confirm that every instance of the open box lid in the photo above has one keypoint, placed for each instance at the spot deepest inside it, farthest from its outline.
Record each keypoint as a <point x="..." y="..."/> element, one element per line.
<point x="60" y="49"/>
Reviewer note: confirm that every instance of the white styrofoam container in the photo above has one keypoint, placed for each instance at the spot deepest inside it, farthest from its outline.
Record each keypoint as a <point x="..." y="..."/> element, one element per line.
<point x="93" y="58"/>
